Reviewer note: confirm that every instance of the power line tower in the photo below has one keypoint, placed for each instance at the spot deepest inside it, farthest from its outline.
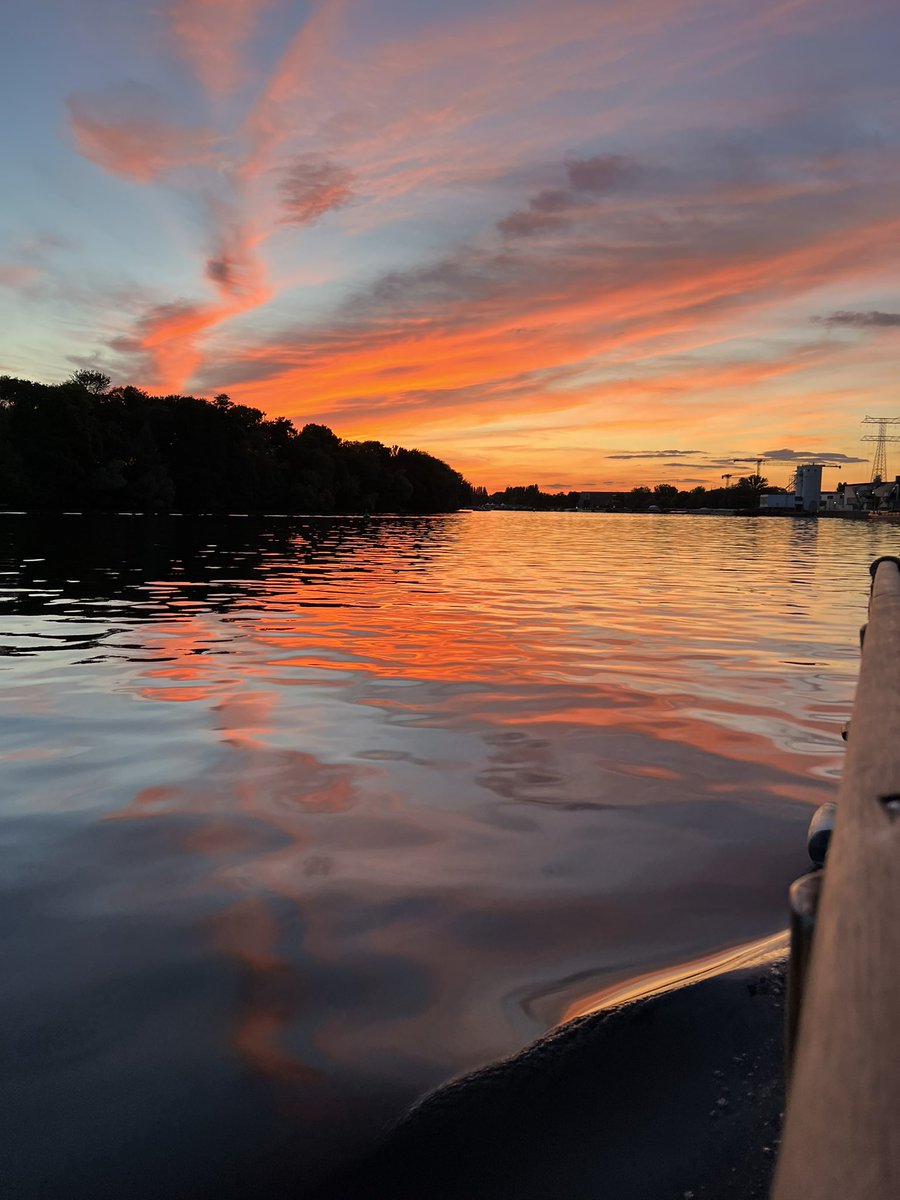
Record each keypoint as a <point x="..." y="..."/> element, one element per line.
<point x="881" y="439"/>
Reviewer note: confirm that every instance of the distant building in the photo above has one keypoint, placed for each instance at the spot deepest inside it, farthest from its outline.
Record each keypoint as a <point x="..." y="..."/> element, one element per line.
<point x="860" y="497"/>
<point x="808" y="487"/>
<point x="888" y="496"/>
<point x="863" y="497"/>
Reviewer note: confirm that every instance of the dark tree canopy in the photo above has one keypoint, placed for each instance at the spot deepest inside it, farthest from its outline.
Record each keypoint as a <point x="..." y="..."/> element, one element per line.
<point x="531" y="497"/>
<point x="745" y="494"/>
<point x="85" y="445"/>
<point x="92" y="381"/>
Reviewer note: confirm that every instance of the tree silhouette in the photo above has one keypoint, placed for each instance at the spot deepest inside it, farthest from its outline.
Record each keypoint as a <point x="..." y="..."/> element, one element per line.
<point x="82" y="444"/>
<point x="94" y="382"/>
<point x="753" y="483"/>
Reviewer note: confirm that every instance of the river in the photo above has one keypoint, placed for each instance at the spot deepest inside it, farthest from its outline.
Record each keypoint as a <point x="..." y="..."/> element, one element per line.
<point x="301" y="817"/>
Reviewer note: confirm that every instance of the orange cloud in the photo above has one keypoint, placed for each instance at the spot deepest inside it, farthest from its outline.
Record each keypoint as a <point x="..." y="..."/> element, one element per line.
<point x="234" y="266"/>
<point x="628" y="281"/>
<point x="163" y="342"/>
<point x="571" y="328"/>
<point x="164" y="347"/>
<point x="476" y="321"/>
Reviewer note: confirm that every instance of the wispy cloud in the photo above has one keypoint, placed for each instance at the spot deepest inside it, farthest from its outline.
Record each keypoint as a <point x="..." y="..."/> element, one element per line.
<point x="164" y="345"/>
<point x="553" y="208"/>
<point x="485" y="319"/>
<point x="800" y="456"/>
<point x="234" y="265"/>
<point x="211" y="36"/>
<point x="31" y="260"/>
<point x="602" y="174"/>
<point x="525" y="222"/>
<point x="562" y="213"/>
<point x="18" y="275"/>
<point x="311" y="187"/>
<point x="861" y="320"/>
<point x="125" y="133"/>
<point x="654" y="454"/>
<point x="161" y="348"/>
<point x="587" y="180"/>
<point x="283" y="108"/>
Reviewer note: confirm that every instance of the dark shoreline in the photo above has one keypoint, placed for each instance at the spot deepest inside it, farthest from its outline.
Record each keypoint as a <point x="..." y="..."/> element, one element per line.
<point x="677" y="1094"/>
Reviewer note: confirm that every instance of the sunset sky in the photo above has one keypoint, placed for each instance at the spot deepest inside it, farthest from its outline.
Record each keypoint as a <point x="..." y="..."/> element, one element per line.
<point x="583" y="244"/>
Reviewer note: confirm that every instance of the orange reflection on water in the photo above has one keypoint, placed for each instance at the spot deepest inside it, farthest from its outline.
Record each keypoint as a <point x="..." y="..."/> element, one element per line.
<point x="654" y="983"/>
<point x="400" y="778"/>
<point x="268" y="991"/>
<point x="253" y="792"/>
<point x="179" y="695"/>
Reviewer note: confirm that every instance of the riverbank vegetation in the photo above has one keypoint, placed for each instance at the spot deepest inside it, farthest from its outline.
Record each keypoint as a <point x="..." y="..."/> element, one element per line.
<point x="88" y="446"/>
<point x="744" y="494"/>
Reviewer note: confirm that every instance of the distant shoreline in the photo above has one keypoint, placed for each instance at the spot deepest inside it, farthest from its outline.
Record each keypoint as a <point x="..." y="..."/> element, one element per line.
<point x="400" y="515"/>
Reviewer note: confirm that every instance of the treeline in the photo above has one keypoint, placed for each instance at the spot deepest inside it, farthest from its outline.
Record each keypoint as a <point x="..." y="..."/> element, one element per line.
<point x="531" y="497"/>
<point x="744" y="494"/>
<point x="85" y="445"/>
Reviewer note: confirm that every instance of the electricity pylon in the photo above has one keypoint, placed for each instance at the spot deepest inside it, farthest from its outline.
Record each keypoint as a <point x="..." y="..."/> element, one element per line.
<point x="881" y="439"/>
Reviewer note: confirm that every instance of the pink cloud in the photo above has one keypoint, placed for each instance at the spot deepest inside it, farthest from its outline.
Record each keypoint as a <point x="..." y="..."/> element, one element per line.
<point x="29" y="262"/>
<point x="557" y="326"/>
<point x="288" y="98"/>
<point x="414" y="112"/>
<point x="233" y="265"/>
<point x="18" y="275"/>
<point x="161" y="349"/>
<point x="140" y="146"/>
<point x="164" y="345"/>
<point x="574" y="283"/>
<point x="211" y="34"/>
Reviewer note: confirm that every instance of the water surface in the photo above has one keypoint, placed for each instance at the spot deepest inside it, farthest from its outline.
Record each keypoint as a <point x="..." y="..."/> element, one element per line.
<point x="300" y="817"/>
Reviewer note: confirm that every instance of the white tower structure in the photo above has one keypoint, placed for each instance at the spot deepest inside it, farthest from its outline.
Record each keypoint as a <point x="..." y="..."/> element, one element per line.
<point x="808" y="487"/>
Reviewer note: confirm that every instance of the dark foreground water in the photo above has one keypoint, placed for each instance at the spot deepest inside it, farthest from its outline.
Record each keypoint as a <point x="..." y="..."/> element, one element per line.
<point x="301" y="817"/>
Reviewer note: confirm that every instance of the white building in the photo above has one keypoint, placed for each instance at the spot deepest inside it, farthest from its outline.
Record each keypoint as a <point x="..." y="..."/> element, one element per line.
<point x="808" y="487"/>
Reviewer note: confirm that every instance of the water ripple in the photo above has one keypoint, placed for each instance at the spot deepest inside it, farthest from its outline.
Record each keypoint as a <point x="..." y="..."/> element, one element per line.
<point x="343" y="806"/>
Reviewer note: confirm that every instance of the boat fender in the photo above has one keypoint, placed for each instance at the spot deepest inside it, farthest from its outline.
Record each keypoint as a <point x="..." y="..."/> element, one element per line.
<point x="819" y="833"/>
<point x="873" y="567"/>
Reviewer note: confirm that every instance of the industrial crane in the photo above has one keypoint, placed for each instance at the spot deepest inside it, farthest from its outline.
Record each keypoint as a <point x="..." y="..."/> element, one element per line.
<point x="792" y="482"/>
<point x="759" y="462"/>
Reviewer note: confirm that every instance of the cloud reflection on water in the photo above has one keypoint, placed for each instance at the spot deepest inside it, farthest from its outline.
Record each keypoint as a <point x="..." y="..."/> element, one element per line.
<point x="430" y="782"/>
